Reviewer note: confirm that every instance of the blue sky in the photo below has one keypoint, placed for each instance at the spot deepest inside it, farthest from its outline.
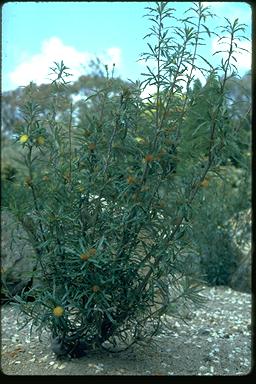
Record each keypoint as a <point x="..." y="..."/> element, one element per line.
<point x="34" y="34"/>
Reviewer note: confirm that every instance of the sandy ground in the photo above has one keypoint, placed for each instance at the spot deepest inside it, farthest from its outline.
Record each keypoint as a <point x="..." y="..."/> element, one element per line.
<point x="216" y="341"/>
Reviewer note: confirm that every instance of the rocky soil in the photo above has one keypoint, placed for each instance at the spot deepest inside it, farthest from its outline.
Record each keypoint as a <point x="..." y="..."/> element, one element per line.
<point x="215" y="341"/>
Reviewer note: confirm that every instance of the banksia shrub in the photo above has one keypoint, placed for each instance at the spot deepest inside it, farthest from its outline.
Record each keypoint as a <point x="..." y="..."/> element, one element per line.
<point x="111" y="190"/>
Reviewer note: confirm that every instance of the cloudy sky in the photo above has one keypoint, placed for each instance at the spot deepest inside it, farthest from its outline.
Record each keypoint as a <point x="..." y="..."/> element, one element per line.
<point x="34" y="34"/>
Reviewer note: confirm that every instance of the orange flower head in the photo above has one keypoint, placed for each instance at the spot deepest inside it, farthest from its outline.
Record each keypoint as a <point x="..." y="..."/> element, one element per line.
<point x="88" y="254"/>
<point x="84" y="256"/>
<point x="96" y="288"/>
<point x="131" y="180"/>
<point x="204" y="183"/>
<point x="92" y="146"/>
<point x="149" y="158"/>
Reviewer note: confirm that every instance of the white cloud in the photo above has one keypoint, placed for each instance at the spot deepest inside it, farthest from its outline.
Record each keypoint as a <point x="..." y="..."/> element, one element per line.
<point x="114" y="55"/>
<point x="213" y="4"/>
<point x="244" y="58"/>
<point x="231" y="10"/>
<point x="148" y="91"/>
<point x="36" y="68"/>
<point x="196" y="74"/>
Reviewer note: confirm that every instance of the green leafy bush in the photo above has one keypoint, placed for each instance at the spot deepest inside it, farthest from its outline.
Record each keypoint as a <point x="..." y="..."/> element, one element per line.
<point x="109" y="192"/>
<point x="218" y="236"/>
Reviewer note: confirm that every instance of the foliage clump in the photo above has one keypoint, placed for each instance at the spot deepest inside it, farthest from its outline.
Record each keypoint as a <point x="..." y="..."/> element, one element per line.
<point x="109" y="188"/>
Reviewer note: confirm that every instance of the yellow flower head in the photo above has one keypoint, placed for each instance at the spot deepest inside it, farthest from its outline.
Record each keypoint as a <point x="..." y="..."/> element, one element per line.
<point x="80" y="188"/>
<point x="24" y="138"/>
<point x="140" y="140"/>
<point x="40" y="140"/>
<point x="58" y="311"/>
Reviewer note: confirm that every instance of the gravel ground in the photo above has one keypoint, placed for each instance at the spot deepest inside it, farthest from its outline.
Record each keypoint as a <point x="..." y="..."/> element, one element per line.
<point x="216" y="341"/>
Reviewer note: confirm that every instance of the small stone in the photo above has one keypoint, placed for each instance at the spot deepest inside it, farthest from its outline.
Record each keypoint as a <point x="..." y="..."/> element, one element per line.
<point x="43" y="359"/>
<point x="226" y="336"/>
<point x="32" y="360"/>
<point x="204" y="331"/>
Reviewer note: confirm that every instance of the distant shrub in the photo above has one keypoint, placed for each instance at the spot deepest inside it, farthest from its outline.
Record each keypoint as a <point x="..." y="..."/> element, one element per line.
<point x="219" y="234"/>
